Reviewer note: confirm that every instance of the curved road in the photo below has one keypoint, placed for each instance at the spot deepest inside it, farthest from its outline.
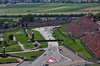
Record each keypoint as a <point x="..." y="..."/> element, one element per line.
<point x="51" y="52"/>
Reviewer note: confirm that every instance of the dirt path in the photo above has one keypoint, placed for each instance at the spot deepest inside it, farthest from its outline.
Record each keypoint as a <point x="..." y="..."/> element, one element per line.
<point x="52" y="9"/>
<point x="90" y="9"/>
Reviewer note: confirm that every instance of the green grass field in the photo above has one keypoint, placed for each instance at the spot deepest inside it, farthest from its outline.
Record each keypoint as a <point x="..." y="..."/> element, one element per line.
<point x="38" y="36"/>
<point x="29" y="46"/>
<point x="11" y="48"/>
<point x="6" y="38"/>
<point x="24" y="8"/>
<point x="4" y="60"/>
<point x="75" y="46"/>
<point x="30" y="54"/>
<point x="20" y="36"/>
<point x="14" y="19"/>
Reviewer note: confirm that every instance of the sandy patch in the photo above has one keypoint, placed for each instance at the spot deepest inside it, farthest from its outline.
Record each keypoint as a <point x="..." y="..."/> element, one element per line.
<point x="52" y="9"/>
<point x="91" y="9"/>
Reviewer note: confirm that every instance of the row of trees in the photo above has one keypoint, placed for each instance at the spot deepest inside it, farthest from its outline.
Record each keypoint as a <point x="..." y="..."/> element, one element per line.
<point x="48" y="1"/>
<point x="7" y="23"/>
<point x="45" y="15"/>
<point x="97" y="16"/>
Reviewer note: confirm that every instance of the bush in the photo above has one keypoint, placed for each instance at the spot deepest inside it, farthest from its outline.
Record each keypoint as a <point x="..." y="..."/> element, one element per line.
<point x="5" y="43"/>
<point x="11" y="37"/>
<point x="0" y="42"/>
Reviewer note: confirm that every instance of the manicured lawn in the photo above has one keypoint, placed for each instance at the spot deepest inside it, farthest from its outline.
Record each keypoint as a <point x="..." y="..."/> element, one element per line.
<point x="38" y="36"/>
<point x="75" y="46"/>
<point x="20" y="36"/>
<point x="30" y="54"/>
<point x="29" y="46"/>
<point x="13" y="48"/>
<point x="6" y="38"/>
<point x="9" y="43"/>
<point x="4" y="60"/>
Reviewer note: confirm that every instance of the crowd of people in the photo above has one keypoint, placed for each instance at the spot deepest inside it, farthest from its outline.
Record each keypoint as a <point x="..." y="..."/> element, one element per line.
<point x="44" y="23"/>
<point x="87" y="30"/>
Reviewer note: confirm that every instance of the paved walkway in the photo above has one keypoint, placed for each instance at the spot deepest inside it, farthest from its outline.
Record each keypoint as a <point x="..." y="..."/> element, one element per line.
<point x="14" y="38"/>
<point x="21" y="45"/>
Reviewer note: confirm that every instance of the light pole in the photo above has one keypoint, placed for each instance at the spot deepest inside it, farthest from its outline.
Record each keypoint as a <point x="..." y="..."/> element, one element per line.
<point x="4" y="50"/>
<point x="32" y="37"/>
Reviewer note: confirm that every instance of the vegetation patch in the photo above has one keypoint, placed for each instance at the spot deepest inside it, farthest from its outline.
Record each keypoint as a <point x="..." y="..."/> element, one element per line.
<point x="38" y="36"/>
<point x="25" y="5"/>
<point x="7" y="60"/>
<point x="7" y="41"/>
<point x="20" y="36"/>
<point x="13" y="48"/>
<point x="29" y="46"/>
<point x="31" y="55"/>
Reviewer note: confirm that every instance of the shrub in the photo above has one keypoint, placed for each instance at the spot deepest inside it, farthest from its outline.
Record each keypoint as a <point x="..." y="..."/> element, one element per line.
<point x="0" y="42"/>
<point x="11" y="37"/>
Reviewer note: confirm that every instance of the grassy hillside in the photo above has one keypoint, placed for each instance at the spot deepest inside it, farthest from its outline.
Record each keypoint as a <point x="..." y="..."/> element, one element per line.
<point x="67" y="41"/>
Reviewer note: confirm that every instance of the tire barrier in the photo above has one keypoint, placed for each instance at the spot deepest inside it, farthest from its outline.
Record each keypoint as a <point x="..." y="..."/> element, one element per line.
<point x="24" y="58"/>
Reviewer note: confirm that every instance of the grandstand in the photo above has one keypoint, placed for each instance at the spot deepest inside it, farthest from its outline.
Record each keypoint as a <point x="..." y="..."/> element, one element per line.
<point x="88" y="31"/>
<point x="45" y="23"/>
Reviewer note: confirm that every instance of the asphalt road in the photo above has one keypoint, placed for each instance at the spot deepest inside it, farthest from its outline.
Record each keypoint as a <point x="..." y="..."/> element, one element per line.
<point x="51" y="52"/>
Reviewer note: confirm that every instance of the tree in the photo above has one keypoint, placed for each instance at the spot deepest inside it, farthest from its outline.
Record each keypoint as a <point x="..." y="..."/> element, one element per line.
<point x="11" y="37"/>
<point x="0" y="42"/>
<point x="6" y="1"/>
<point x="97" y="16"/>
<point x="28" y="18"/>
<point x="5" y="43"/>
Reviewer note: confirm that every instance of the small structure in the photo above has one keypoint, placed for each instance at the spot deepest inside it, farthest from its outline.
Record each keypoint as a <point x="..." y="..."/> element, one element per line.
<point x="1" y="38"/>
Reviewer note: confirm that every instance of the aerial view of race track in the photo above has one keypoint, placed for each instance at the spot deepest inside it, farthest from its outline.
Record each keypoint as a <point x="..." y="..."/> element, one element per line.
<point x="49" y="32"/>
